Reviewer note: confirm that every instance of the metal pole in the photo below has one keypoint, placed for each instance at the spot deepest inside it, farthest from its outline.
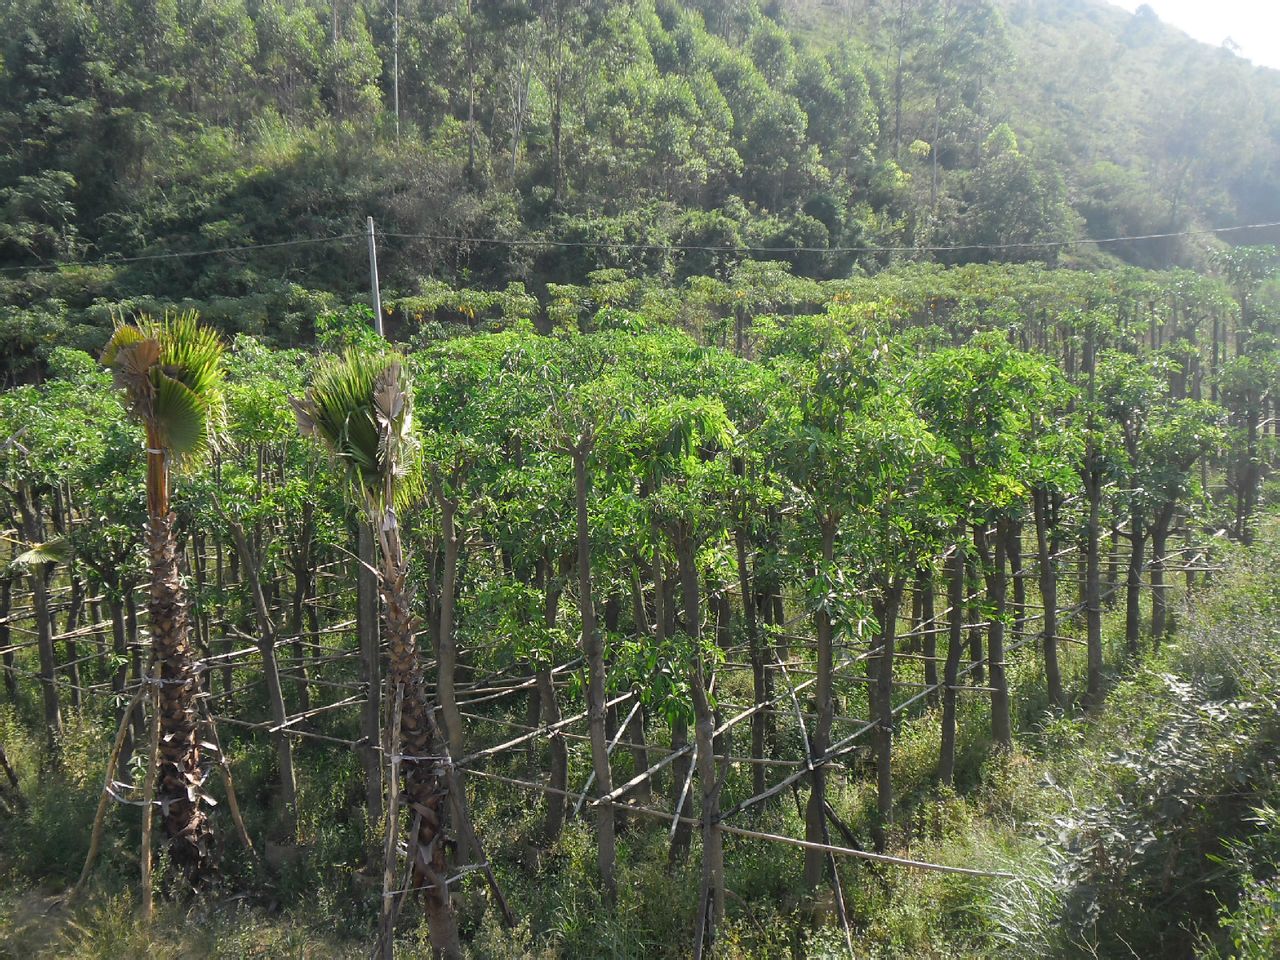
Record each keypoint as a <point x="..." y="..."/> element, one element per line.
<point x="373" y="280"/>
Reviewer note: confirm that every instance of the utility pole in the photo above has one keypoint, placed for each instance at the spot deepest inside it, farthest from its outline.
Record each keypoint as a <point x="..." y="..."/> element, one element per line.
<point x="373" y="279"/>
<point x="395" y="63"/>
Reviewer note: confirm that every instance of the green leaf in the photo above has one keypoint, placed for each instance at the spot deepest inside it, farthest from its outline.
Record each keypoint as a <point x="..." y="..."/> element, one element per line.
<point x="179" y="416"/>
<point x="57" y="550"/>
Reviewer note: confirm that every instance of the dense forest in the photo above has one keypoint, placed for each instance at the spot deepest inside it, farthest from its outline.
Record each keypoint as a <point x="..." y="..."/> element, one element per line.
<point x="804" y="485"/>
<point x="500" y="143"/>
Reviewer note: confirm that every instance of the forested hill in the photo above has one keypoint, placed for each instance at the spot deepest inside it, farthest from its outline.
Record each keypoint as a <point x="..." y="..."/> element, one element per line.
<point x="564" y="136"/>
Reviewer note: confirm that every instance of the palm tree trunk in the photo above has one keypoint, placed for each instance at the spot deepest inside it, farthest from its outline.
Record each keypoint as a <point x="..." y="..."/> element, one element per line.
<point x="426" y="785"/>
<point x="181" y="777"/>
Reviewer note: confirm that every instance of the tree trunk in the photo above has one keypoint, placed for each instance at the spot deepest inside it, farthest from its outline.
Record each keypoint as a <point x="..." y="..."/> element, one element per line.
<point x="1159" y="599"/>
<point x="138" y="722"/>
<point x="75" y="605"/>
<point x="287" y="808"/>
<point x="559" y="778"/>
<point x="33" y="532"/>
<point x="1133" y="584"/>
<point x="1113" y="567"/>
<point x="815" y="814"/>
<point x="593" y="653"/>
<point x="6" y="638"/>
<point x="1044" y="505"/>
<point x="181" y="780"/>
<point x="1001" y="722"/>
<point x="639" y="752"/>
<point x="712" y="884"/>
<point x="370" y="669"/>
<point x="755" y="645"/>
<point x="883" y="738"/>
<point x="664" y="617"/>
<point x="929" y="633"/>
<point x="951" y="669"/>
<point x="426" y="783"/>
<point x="446" y="642"/>
<point x="976" y="616"/>
<point x="1018" y="576"/>
<point x="551" y="713"/>
<point x="1092" y="592"/>
<point x="1092" y="476"/>
<point x="297" y="606"/>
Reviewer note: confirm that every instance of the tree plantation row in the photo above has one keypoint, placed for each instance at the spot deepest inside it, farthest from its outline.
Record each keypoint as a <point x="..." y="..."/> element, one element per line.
<point x="661" y="570"/>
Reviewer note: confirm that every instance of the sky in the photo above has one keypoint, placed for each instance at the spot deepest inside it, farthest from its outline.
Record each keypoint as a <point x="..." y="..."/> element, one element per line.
<point x="1252" y="24"/>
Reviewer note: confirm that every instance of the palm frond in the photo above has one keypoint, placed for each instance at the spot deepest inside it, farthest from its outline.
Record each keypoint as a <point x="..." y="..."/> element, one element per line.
<point x="124" y="335"/>
<point x="171" y="372"/>
<point x="57" y="550"/>
<point x="359" y="406"/>
<point x="179" y="416"/>
<point x="192" y="354"/>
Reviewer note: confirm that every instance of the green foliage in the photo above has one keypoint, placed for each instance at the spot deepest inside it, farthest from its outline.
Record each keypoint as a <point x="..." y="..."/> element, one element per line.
<point x="360" y="407"/>
<point x="1164" y="828"/>
<point x="535" y="144"/>
<point x="170" y="372"/>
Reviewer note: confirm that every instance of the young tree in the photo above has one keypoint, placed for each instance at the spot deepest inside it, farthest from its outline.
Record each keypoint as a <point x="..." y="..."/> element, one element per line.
<point x="360" y="406"/>
<point x="171" y="375"/>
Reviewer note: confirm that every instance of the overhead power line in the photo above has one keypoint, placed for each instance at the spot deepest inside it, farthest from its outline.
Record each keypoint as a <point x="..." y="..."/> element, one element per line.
<point x="744" y="249"/>
<point x="182" y="254"/>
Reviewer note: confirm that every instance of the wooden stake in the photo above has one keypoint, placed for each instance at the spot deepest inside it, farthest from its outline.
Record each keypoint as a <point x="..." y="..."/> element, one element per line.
<point x="386" y="936"/>
<point x="148" y="798"/>
<point x="99" y="818"/>
<point x="225" y="766"/>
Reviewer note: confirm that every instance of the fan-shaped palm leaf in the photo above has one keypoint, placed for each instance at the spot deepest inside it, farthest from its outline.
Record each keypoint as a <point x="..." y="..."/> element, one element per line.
<point x="57" y="550"/>
<point x="171" y="372"/>
<point x="359" y="406"/>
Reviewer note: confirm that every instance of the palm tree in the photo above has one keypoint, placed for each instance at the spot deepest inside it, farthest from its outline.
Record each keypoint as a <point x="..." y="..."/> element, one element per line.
<point x="360" y="406"/>
<point x="170" y="371"/>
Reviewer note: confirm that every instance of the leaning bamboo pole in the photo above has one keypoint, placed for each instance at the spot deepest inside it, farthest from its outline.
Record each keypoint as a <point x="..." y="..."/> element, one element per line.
<point x="99" y="817"/>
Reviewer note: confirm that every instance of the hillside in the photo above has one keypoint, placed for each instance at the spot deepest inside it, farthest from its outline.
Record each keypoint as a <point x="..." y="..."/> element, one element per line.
<point x="537" y="142"/>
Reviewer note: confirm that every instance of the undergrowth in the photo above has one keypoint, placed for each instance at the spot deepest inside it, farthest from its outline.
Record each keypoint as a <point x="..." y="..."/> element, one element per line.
<point x="1148" y="829"/>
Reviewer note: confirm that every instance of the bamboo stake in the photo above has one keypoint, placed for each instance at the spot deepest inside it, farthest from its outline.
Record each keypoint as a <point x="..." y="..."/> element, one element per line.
<point x="148" y="798"/>
<point x="622" y="727"/>
<point x="224" y="765"/>
<point x="684" y="792"/>
<point x="99" y="818"/>
<point x="386" y="937"/>
<point x="867" y="855"/>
